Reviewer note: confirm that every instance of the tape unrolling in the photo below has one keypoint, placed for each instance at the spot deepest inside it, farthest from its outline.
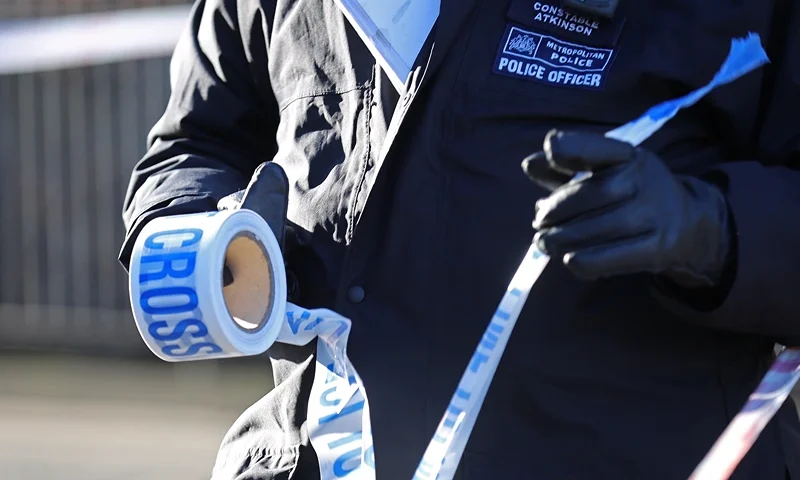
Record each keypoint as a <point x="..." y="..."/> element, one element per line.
<point x="183" y="312"/>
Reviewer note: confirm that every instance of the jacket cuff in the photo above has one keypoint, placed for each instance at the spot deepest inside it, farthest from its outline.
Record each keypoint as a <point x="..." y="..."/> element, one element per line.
<point x="699" y="300"/>
<point x="756" y="294"/>
<point x="172" y="206"/>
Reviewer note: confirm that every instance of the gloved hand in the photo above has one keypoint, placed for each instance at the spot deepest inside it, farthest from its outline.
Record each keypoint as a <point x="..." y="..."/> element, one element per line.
<point x="267" y="194"/>
<point x="630" y="214"/>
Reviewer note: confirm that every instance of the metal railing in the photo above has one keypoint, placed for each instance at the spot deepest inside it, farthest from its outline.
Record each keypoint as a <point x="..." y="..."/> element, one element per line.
<point x="17" y="9"/>
<point x="68" y="142"/>
<point x="73" y="121"/>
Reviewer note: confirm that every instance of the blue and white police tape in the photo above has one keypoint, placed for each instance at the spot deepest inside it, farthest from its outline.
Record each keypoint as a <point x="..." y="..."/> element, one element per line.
<point x="183" y="313"/>
<point x="77" y="40"/>
<point x="740" y="435"/>
<point x="178" y="302"/>
<point x="447" y="446"/>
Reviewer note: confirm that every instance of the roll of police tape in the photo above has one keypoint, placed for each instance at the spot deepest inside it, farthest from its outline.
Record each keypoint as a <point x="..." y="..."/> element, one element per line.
<point x="181" y="308"/>
<point x="183" y="312"/>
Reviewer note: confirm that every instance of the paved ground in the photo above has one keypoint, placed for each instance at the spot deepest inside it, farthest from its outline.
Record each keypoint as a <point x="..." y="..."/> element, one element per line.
<point x="96" y="419"/>
<point x="72" y="418"/>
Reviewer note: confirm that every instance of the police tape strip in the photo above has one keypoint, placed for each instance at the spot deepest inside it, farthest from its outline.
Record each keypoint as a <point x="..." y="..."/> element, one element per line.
<point x="748" y="424"/>
<point x="79" y="40"/>
<point x="338" y="411"/>
<point x="184" y="313"/>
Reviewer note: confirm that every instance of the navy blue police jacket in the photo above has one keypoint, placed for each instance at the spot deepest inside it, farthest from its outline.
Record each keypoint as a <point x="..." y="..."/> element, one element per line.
<point x="411" y="214"/>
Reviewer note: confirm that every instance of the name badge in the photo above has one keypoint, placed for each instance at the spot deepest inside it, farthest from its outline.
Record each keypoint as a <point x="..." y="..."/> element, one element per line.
<point x="550" y="17"/>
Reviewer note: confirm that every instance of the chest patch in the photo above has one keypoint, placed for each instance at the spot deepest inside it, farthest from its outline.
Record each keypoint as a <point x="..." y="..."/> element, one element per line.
<point x="535" y="57"/>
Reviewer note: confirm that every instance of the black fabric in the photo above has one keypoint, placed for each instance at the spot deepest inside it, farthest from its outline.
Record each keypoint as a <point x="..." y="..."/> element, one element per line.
<point x="601" y="379"/>
<point x="267" y="194"/>
<point x="618" y="210"/>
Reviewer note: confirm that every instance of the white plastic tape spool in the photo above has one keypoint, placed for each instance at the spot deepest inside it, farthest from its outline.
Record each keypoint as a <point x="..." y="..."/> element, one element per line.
<point x="182" y="310"/>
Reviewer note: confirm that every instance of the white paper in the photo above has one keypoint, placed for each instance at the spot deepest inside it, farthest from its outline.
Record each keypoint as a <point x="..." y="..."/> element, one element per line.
<point x="393" y="30"/>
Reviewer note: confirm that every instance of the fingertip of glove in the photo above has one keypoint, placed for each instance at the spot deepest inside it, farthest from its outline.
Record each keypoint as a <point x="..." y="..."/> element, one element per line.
<point x="539" y="242"/>
<point x="529" y="162"/>
<point x="578" y="151"/>
<point x="227" y="276"/>
<point x="551" y="138"/>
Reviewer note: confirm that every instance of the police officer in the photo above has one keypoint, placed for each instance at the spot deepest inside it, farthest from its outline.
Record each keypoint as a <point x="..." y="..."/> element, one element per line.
<point x="675" y="264"/>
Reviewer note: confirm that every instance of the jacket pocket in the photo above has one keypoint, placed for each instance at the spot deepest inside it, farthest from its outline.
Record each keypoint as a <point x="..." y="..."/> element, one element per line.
<point x="325" y="148"/>
<point x="535" y="70"/>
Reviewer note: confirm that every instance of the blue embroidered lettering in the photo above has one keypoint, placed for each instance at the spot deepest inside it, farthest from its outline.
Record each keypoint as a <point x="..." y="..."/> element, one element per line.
<point x="544" y="59"/>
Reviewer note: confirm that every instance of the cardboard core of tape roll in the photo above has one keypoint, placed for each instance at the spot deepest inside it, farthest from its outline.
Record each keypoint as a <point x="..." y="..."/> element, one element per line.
<point x="249" y="298"/>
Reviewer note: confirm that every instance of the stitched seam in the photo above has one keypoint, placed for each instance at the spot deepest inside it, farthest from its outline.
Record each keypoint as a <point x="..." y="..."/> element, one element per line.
<point x="721" y="384"/>
<point x="438" y="242"/>
<point x="319" y="93"/>
<point x="362" y="174"/>
<point x="458" y="80"/>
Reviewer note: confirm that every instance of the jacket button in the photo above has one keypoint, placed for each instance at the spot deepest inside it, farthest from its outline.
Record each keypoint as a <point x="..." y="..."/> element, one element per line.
<point x="355" y="294"/>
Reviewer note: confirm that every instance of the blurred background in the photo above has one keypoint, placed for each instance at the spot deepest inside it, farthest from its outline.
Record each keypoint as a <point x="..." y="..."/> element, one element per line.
<point x="81" y="397"/>
<point x="81" y="83"/>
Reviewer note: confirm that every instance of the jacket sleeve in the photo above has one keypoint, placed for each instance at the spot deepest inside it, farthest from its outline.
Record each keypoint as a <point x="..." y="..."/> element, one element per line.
<point x="217" y="127"/>
<point x="761" y="290"/>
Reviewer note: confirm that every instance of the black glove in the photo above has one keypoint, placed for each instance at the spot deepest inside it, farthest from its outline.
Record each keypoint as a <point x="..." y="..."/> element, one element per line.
<point x="630" y="214"/>
<point x="267" y="194"/>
